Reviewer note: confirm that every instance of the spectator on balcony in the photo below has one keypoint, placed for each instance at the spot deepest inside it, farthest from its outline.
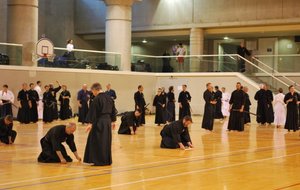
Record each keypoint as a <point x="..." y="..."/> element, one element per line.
<point x="180" y="52"/>
<point x="242" y="51"/>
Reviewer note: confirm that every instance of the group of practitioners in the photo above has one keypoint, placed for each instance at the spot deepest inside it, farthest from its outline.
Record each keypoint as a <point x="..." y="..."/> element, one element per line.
<point x="97" y="110"/>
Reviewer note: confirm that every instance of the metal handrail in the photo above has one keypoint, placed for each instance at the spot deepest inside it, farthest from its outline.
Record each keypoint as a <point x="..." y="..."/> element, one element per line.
<point x="11" y="44"/>
<point x="274" y="70"/>
<point x="89" y="51"/>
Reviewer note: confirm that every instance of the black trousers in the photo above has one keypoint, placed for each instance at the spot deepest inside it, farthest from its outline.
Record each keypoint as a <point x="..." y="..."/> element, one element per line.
<point x="5" y="139"/>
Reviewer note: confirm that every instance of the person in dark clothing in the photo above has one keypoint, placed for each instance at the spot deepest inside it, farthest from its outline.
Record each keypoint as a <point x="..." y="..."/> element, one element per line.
<point x="270" y="110"/>
<point x="52" y="149"/>
<point x="218" y="98"/>
<point x="176" y="134"/>
<point x="292" y="100"/>
<point x="171" y="105"/>
<point x="23" y="98"/>
<point x="160" y="104"/>
<point x="166" y="62"/>
<point x="209" y="109"/>
<point x="140" y="103"/>
<point x="64" y="99"/>
<point x="128" y="120"/>
<point x="237" y="104"/>
<point x="7" y="134"/>
<point x="184" y="100"/>
<point x="49" y="105"/>
<point x="111" y="92"/>
<point x="83" y="97"/>
<point x="242" y="51"/>
<point x="101" y="120"/>
<point x="54" y="91"/>
<point x="33" y="103"/>
<point x="247" y="118"/>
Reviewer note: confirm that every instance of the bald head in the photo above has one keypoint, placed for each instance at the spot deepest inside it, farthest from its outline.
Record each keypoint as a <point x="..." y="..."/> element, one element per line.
<point x="70" y="128"/>
<point x="84" y="87"/>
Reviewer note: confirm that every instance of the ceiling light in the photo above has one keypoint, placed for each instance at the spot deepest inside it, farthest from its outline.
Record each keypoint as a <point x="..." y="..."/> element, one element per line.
<point x="144" y="41"/>
<point x="226" y="38"/>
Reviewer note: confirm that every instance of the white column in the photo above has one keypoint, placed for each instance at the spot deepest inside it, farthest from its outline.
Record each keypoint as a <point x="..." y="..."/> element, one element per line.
<point x="118" y="30"/>
<point x="22" y="26"/>
<point x="196" y="48"/>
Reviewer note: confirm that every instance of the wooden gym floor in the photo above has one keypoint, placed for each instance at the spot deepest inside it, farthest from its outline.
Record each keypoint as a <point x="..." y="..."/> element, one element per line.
<point x="259" y="158"/>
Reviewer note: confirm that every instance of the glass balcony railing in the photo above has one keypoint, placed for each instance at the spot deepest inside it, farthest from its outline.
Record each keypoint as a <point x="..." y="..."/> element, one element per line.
<point x="191" y="63"/>
<point x="82" y="59"/>
<point x="10" y="54"/>
<point x="281" y="63"/>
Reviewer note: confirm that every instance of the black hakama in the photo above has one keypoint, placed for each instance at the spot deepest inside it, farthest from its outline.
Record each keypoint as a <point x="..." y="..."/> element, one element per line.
<point x="33" y="112"/>
<point x="171" y="107"/>
<point x="128" y="120"/>
<point x="140" y="103"/>
<point x="65" y="111"/>
<point x="160" y="104"/>
<point x="54" y="105"/>
<point x="174" y="133"/>
<point x="49" y="104"/>
<point x="23" y="113"/>
<point x="98" y="146"/>
<point x="236" y="118"/>
<point x="218" y="109"/>
<point x="83" y="98"/>
<point x="52" y="142"/>
<point x="184" y="98"/>
<point x="247" y="118"/>
<point x="209" y="110"/>
<point x="6" y="131"/>
<point x="291" y="122"/>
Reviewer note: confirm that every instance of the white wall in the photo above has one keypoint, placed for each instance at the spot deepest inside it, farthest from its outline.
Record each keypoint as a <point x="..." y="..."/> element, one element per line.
<point x="125" y="83"/>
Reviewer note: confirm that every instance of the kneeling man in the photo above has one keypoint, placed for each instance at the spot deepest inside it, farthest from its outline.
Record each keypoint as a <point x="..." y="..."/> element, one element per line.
<point x="176" y="134"/>
<point x="52" y="149"/>
<point x="7" y="134"/>
<point x="129" y="119"/>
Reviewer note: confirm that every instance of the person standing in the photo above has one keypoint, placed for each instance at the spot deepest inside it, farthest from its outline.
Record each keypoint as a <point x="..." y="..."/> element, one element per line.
<point x="210" y="107"/>
<point x="48" y="101"/>
<point x="180" y="52"/>
<point x="38" y="89"/>
<point x="23" y="98"/>
<point x="171" y="105"/>
<point x="54" y="91"/>
<point x="110" y="92"/>
<point x="225" y="102"/>
<point x="64" y="99"/>
<point x="279" y="109"/>
<point x="7" y="98"/>
<point x="33" y="103"/>
<point x="184" y="100"/>
<point x="7" y="134"/>
<point x="101" y="119"/>
<point x="166" y="62"/>
<point x="160" y="103"/>
<point x="83" y="97"/>
<point x="247" y="118"/>
<point x="242" y="51"/>
<point x="218" y="107"/>
<point x="237" y="103"/>
<point x="140" y="103"/>
<point x="262" y="105"/>
<point x="292" y="99"/>
<point x="270" y="110"/>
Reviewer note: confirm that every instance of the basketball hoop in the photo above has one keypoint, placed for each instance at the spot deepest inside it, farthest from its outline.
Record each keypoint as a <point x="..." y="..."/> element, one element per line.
<point x="44" y="49"/>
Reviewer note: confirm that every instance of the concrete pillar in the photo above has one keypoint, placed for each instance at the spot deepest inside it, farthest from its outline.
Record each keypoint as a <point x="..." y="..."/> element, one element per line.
<point x="22" y="26"/>
<point x="196" y="48"/>
<point x="118" y="30"/>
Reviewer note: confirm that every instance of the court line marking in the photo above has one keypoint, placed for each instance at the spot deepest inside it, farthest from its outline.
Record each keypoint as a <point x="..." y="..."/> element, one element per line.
<point x="289" y="186"/>
<point x="193" y="172"/>
<point x="144" y="164"/>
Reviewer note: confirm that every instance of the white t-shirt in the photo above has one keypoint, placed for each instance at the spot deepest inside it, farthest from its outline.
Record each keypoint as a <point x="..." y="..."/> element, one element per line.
<point x="70" y="47"/>
<point x="7" y="96"/>
<point x="180" y="51"/>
